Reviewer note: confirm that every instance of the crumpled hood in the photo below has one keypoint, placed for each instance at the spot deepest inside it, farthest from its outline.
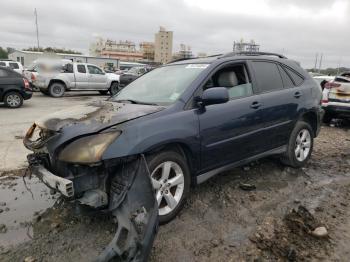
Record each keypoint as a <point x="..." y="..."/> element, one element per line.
<point x="95" y="115"/>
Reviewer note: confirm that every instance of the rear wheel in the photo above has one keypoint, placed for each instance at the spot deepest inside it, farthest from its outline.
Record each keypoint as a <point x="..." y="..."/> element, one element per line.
<point x="114" y="88"/>
<point x="171" y="181"/>
<point x="300" y="145"/>
<point x="56" y="90"/>
<point x="13" y="100"/>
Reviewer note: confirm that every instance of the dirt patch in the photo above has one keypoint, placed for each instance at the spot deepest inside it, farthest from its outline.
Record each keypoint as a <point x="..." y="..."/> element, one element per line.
<point x="223" y="222"/>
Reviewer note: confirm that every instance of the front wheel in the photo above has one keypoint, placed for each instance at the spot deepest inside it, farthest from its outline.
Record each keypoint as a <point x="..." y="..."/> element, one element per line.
<point x="171" y="182"/>
<point x="300" y="145"/>
<point x="114" y="89"/>
<point x="13" y="100"/>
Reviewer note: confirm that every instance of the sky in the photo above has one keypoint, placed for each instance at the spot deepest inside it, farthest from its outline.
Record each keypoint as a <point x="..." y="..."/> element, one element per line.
<point x="298" y="29"/>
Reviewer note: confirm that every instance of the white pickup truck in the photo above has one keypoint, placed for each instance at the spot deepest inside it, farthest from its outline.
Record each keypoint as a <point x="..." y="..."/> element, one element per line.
<point x="77" y="77"/>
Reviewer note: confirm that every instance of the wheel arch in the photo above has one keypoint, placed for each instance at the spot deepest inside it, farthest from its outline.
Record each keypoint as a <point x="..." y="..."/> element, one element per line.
<point x="311" y="118"/>
<point x="8" y="91"/>
<point x="53" y="81"/>
<point x="184" y="150"/>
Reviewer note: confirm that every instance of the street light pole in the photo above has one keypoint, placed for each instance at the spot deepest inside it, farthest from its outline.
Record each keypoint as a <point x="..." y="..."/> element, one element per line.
<point x="37" y="28"/>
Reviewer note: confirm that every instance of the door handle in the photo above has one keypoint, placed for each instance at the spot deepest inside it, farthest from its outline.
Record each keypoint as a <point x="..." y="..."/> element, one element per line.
<point x="255" y="105"/>
<point x="297" y="94"/>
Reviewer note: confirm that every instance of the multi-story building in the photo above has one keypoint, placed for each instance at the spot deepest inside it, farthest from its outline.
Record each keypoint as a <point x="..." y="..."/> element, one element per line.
<point x="122" y="50"/>
<point x="147" y="49"/>
<point x="163" y="46"/>
<point x="242" y="46"/>
<point x="185" y="52"/>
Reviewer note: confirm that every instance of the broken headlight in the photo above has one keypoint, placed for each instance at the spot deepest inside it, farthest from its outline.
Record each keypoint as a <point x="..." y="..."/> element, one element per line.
<point x="87" y="150"/>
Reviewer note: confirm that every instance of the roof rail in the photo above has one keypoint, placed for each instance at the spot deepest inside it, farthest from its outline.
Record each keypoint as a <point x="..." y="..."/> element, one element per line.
<point x="253" y="54"/>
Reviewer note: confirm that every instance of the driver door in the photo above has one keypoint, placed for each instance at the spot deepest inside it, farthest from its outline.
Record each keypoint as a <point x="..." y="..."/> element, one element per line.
<point x="231" y="131"/>
<point x="97" y="78"/>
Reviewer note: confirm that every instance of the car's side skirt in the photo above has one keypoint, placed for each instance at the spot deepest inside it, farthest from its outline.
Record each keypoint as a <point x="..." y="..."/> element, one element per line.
<point x="205" y="176"/>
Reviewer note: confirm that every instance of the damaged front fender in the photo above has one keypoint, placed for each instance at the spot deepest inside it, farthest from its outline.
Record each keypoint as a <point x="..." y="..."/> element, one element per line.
<point x="135" y="208"/>
<point x="129" y="197"/>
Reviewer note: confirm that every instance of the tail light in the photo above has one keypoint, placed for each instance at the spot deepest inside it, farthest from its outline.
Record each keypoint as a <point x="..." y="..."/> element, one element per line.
<point x="32" y="77"/>
<point x="26" y="84"/>
<point x="330" y="85"/>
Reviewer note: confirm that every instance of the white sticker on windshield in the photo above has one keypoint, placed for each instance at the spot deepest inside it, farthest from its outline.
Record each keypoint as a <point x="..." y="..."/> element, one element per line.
<point x="200" y="66"/>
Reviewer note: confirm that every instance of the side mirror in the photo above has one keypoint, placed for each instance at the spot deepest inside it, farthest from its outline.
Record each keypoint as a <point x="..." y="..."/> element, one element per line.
<point x="214" y="95"/>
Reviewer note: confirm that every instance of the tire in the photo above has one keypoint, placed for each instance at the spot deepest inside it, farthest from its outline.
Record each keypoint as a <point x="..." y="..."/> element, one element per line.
<point x="114" y="89"/>
<point x="56" y="90"/>
<point x="295" y="158"/>
<point x="167" y="193"/>
<point x="13" y="99"/>
<point x="327" y="118"/>
<point x="103" y="92"/>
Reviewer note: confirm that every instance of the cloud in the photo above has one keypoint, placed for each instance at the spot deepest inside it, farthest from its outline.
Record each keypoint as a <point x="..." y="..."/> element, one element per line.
<point x="297" y="28"/>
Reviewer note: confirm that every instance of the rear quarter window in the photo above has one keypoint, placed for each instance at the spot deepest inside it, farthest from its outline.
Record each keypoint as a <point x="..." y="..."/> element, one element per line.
<point x="297" y="79"/>
<point x="3" y="73"/>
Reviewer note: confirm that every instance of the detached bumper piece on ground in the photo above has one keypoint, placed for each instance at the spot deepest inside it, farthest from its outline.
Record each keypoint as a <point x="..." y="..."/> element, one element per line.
<point x="131" y="202"/>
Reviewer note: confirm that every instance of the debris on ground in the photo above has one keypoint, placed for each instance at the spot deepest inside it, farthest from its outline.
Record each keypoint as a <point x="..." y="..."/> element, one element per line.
<point x="246" y="186"/>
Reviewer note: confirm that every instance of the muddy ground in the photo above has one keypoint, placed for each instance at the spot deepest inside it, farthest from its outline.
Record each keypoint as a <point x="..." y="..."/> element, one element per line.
<point x="220" y="222"/>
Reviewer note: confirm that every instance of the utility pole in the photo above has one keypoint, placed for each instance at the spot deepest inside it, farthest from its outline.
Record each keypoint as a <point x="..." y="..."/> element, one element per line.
<point x="37" y="28"/>
<point x="315" y="67"/>
<point x="320" y="65"/>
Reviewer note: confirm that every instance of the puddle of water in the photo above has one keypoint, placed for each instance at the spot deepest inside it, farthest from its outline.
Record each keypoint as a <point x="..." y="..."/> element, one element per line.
<point x="22" y="208"/>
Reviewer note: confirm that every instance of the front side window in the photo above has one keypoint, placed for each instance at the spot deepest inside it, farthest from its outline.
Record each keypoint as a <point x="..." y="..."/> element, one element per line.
<point x="94" y="70"/>
<point x="81" y="69"/>
<point x="235" y="78"/>
<point x="163" y="85"/>
<point x="267" y="76"/>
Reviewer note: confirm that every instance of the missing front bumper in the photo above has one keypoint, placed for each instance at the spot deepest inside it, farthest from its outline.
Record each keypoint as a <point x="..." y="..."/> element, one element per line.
<point x="62" y="185"/>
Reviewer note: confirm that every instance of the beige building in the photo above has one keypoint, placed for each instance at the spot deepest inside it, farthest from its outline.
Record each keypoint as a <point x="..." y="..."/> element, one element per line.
<point x="163" y="46"/>
<point x="147" y="49"/>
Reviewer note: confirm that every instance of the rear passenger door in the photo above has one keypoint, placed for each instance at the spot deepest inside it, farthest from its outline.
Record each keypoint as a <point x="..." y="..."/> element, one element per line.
<point x="281" y="100"/>
<point x="81" y="77"/>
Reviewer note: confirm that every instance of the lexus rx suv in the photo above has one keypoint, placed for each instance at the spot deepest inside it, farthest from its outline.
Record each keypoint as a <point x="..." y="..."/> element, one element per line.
<point x="180" y="125"/>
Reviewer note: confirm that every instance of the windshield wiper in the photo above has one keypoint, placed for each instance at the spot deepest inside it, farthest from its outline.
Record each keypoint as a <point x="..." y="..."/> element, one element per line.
<point x="135" y="102"/>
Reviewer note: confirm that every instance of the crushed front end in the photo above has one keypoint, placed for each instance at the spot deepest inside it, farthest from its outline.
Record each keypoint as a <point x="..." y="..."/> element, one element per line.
<point x="119" y="186"/>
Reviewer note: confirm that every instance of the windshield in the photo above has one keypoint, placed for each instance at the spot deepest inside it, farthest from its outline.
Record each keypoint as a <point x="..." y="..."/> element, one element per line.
<point x="162" y="86"/>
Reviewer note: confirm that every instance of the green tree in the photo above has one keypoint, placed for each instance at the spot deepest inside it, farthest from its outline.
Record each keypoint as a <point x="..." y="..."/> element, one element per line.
<point x="3" y="53"/>
<point x="52" y="50"/>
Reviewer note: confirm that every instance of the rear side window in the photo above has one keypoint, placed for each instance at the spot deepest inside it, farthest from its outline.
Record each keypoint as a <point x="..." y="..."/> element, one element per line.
<point x="14" y="66"/>
<point x="267" y="76"/>
<point x="287" y="81"/>
<point x="297" y="79"/>
<point x="2" y="64"/>
<point x="81" y="69"/>
<point x="3" y="73"/>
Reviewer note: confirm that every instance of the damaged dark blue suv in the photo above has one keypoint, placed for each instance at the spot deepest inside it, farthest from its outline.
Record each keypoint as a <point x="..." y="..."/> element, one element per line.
<point x="179" y="124"/>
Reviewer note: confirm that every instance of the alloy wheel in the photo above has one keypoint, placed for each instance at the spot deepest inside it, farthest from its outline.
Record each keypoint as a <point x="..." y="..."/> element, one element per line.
<point x="13" y="100"/>
<point x="168" y="182"/>
<point x="302" y="145"/>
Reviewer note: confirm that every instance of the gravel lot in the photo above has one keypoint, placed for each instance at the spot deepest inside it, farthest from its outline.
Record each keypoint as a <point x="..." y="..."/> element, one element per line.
<point x="220" y="222"/>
